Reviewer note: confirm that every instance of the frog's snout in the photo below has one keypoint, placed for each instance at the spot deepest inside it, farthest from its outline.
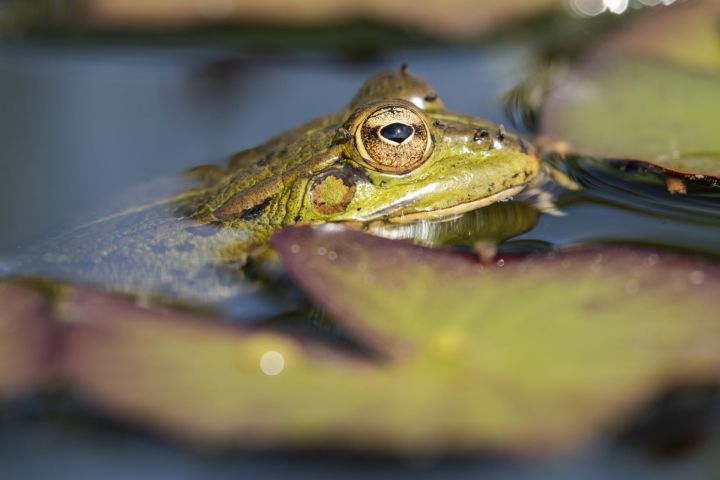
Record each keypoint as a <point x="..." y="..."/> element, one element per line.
<point x="499" y="138"/>
<point x="485" y="138"/>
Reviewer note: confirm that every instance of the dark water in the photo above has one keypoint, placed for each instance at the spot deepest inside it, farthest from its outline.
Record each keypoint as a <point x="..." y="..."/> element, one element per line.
<point x="626" y="203"/>
<point x="80" y="125"/>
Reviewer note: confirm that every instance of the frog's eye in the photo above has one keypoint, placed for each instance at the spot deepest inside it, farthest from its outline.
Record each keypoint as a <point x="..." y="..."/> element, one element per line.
<point x="394" y="138"/>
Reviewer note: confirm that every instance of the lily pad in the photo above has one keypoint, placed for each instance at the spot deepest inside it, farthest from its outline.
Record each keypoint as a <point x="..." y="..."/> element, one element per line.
<point x="684" y="34"/>
<point x="544" y="351"/>
<point x="453" y="18"/>
<point x="26" y="339"/>
<point x="192" y="377"/>
<point x="220" y="386"/>
<point x="647" y="94"/>
<point x="527" y="355"/>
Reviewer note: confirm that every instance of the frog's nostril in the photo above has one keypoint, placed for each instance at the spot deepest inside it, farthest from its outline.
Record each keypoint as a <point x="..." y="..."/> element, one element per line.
<point x="481" y="134"/>
<point x="396" y="132"/>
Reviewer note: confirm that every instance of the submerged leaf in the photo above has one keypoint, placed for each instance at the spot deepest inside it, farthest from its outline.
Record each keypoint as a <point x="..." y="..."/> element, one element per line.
<point x="647" y="93"/>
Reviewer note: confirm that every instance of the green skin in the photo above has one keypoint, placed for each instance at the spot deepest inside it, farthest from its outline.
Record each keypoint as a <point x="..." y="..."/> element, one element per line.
<point x="189" y="242"/>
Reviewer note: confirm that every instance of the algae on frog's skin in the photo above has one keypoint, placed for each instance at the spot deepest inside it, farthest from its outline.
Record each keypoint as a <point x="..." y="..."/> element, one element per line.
<point x="191" y="244"/>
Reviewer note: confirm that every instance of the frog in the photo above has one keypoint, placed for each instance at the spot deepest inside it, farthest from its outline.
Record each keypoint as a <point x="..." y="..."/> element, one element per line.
<point x="394" y="155"/>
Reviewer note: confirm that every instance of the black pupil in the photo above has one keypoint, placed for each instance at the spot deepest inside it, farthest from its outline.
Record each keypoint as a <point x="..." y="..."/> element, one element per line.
<point x="396" y="132"/>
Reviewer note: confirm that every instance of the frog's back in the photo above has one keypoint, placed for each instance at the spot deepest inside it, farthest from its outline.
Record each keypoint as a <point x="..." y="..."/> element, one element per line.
<point x="150" y="240"/>
<point x="154" y="247"/>
<point x="275" y="157"/>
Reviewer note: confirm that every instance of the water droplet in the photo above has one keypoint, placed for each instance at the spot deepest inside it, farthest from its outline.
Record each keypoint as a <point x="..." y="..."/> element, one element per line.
<point x="322" y="251"/>
<point x="272" y="363"/>
<point x="332" y="255"/>
<point x="587" y="8"/>
<point x="697" y="277"/>
<point x="295" y="248"/>
<point x="632" y="286"/>
<point x="652" y="260"/>
<point x="448" y="343"/>
<point x="616" y="6"/>
<point x="501" y="263"/>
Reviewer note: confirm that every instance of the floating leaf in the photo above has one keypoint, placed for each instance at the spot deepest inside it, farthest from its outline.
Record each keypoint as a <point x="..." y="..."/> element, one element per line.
<point x="207" y="383"/>
<point x="531" y="355"/>
<point x="685" y="34"/>
<point x="454" y="18"/>
<point x="536" y="351"/>
<point x="26" y="343"/>
<point x="185" y="373"/>
<point x="647" y="94"/>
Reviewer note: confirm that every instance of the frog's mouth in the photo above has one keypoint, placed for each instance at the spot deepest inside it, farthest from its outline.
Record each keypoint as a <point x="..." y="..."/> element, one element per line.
<point x="409" y="215"/>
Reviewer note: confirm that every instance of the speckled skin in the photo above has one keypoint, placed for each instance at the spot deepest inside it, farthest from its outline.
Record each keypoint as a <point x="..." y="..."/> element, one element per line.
<point x="188" y="241"/>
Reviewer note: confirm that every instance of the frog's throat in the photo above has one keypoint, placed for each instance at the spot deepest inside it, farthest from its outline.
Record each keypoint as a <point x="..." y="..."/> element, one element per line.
<point x="459" y="208"/>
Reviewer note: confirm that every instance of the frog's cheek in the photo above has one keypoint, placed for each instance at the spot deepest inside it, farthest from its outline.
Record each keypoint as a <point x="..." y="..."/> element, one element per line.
<point x="331" y="195"/>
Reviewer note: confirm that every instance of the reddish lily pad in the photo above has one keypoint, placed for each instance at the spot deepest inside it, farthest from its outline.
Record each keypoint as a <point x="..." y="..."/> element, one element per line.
<point x="453" y="18"/>
<point x="190" y="376"/>
<point x="647" y="94"/>
<point x="195" y="379"/>
<point x="26" y="339"/>
<point x="684" y="34"/>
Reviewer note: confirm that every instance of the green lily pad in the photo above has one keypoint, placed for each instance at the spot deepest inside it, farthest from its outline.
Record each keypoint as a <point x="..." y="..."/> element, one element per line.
<point x="527" y="356"/>
<point x="192" y="377"/>
<point x="647" y="94"/>
<point x="542" y="351"/>
<point x="26" y="339"/>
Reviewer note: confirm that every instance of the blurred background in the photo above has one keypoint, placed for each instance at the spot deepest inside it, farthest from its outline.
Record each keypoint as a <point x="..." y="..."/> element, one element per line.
<point x="99" y="95"/>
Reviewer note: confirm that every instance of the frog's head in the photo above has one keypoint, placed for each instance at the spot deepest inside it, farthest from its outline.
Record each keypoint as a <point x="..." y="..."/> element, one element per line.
<point x="395" y="153"/>
<point x="398" y="84"/>
<point x="399" y="161"/>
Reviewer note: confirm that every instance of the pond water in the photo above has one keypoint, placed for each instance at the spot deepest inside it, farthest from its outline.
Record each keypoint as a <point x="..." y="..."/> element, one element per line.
<point x="81" y="125"/>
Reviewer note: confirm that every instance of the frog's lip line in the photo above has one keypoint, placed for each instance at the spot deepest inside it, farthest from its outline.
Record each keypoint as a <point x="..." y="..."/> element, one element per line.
<point x="459" y="208"/>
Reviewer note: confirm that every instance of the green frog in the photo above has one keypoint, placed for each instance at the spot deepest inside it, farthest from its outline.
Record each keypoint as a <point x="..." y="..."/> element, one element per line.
<point x="394" y="155"/>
